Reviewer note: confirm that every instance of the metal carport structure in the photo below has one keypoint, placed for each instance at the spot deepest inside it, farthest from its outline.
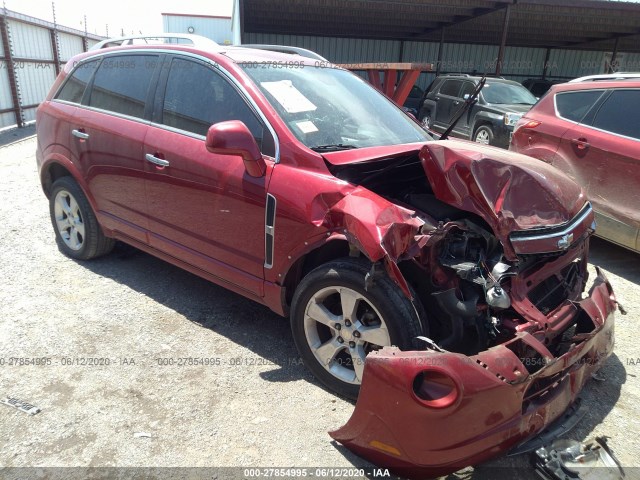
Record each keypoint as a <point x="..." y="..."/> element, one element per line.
<point x="549" y="25"/>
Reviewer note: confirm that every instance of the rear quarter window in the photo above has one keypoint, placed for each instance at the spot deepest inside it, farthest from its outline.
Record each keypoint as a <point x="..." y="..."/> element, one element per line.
<point x="73" y="89"/>
<point x="575" y="105"/>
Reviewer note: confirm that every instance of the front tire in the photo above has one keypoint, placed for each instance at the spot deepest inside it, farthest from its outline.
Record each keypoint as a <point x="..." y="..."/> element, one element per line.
<point x="78" y="233"/>
<point x="484" y="135"/>
<point x="336" y="322"/>
<point x="426" y="121"/>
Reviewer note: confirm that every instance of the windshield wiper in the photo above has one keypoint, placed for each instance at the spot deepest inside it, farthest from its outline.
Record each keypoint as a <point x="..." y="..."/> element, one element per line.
<point x="334" y="147"/>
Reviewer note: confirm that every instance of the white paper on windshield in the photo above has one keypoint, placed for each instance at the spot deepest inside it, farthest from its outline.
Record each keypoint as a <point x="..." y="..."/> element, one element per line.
<point x="307" y="127"/>
<point x="289" y="96"/>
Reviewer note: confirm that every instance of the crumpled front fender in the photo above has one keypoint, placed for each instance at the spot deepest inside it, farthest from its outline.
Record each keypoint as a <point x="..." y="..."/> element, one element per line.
<point x="382" y="230"/>
<point x="478" y="407"/>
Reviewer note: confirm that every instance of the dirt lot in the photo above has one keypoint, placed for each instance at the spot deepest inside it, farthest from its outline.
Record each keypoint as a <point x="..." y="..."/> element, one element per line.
<point x="256" y="405"/>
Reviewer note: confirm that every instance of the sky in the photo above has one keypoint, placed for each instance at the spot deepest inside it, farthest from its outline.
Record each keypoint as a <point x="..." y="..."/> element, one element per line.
<point x="120" y="15"/>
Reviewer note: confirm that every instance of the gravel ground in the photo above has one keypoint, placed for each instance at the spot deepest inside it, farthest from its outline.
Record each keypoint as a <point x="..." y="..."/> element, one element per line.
<point x="256" y="405"/>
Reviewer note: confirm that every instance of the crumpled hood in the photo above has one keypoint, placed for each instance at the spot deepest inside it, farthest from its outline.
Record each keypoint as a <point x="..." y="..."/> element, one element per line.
<point x="508" y="190"/>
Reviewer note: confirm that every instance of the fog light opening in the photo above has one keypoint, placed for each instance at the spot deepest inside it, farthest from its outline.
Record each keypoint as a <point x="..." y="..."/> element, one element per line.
<point x="435" y="389"/>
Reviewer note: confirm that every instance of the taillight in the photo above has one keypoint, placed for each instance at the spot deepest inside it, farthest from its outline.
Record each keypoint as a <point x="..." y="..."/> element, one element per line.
<point x="526" y="123"/>
<point x="435" y="389"/>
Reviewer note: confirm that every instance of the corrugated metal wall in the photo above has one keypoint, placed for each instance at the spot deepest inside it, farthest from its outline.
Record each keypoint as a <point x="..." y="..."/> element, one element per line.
<point x="33" y="62"/>
<point x="519" y="63"/>
<point x="217" y="29"/>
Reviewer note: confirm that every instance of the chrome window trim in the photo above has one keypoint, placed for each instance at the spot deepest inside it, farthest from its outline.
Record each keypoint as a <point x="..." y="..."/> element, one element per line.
<point x="585" y="125"/>
<point x="107" y="112"/>
<point x="610" y="132"/>
<point x="201" y="58"/>
<point x="522" y="235"/>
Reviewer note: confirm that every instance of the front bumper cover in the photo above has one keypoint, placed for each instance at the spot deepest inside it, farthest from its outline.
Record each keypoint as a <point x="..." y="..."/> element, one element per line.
<point x="497" y="404"/>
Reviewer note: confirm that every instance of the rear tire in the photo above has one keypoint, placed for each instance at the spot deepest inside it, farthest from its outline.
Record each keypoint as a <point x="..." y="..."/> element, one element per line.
<point x="78" y="233"/>
<point x="425" y="121"/>
<point x="336" y="322"/>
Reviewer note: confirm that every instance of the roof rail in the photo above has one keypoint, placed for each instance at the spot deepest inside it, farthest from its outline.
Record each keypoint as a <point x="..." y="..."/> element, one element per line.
<point x="162" y="38"/>
<point x="303" y="52"/>
<point x="606" y="77"/>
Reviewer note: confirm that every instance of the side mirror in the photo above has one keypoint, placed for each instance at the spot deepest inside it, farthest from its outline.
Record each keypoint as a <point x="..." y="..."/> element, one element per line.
<point x="466" y="96"/>
<point x="234" y="138"/>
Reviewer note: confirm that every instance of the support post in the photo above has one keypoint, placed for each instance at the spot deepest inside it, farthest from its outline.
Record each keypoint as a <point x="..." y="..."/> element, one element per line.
<point x="614" y="56"/>
<point x="374" y="78"/>
<point x="440" y="49"/>
<point x="503" y="42"/>
<point x="390" y="79"/>
<point x="545" y="68"/>
<point x="11" y="71"/>
<point x="54" y="49"/>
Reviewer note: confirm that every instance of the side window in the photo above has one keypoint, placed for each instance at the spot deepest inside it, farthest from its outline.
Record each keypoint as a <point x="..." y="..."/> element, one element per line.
<point x="451" y="88"/>
<point x="196" y="97"/>
<point x="620" y="114"/>
<point x="575" y="105"/>
<point x="122" y="83"/>
<point x="74" y="87"/>
<point x="467" y="89"/>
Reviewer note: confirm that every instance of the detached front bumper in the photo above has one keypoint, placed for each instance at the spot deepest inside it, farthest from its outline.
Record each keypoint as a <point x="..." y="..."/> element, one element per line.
<point x="427" y="413"/>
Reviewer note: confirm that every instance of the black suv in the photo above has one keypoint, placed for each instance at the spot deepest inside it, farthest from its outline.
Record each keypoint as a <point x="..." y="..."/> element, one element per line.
<point x="500" y="105"/>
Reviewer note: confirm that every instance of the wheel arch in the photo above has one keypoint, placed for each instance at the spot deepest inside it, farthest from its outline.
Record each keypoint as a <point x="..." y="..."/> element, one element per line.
<point x="481" y="122"/>
<point x="58" y="166"/>
<point x="332" y="249"/>
<point x="52" y="172"/>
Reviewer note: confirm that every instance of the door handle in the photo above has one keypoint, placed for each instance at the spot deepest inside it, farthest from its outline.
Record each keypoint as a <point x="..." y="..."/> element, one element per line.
<point x="581" y="144"/>
<point x="158" y="161"/>
<point x="80" y="134"/>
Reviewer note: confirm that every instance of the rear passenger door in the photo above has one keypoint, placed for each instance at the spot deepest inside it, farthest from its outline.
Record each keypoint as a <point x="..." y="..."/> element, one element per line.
<point x="464" y="125"/>
<point x="108" y="137"/>
<point x="606" y="155"/>
<point x="446" y="100"/>
<point x="204" y="209"/>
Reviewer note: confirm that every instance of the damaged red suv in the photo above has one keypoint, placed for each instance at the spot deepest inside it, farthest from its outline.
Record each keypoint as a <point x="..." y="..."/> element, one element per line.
<point x="440" y="282"/>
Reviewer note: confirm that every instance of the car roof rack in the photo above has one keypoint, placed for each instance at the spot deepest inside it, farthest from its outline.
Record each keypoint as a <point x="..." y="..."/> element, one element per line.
<point x="303" y="52"/>
<point x="607" y="77"/>
<point x="469" y="75"/>
<point x="162" y="38"/>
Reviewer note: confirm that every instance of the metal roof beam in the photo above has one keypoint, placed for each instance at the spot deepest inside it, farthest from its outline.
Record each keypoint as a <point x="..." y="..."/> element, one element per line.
<point x="459" y="19"/>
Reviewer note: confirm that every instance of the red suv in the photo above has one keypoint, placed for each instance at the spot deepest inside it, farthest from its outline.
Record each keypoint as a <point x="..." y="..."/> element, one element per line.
<point x="296" y="184"/>
<point x="591" y="131"/>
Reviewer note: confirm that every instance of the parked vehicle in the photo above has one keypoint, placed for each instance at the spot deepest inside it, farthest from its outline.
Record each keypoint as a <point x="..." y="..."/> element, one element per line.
<point x="298" y="185"/>
<point x="414" y="100"/>
<point x="591" y="131"/>
<point x="490" y="121"/>
<point x="538" y="86"/>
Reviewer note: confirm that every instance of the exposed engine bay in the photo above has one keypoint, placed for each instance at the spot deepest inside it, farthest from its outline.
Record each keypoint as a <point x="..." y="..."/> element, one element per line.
<point x="494" y="246"/>
<point x="463" y="278"/>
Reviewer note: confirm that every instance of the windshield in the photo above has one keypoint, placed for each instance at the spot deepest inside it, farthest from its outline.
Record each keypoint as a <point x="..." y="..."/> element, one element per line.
<point x="332" y="109"/>
<point x="498" y="92"/>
